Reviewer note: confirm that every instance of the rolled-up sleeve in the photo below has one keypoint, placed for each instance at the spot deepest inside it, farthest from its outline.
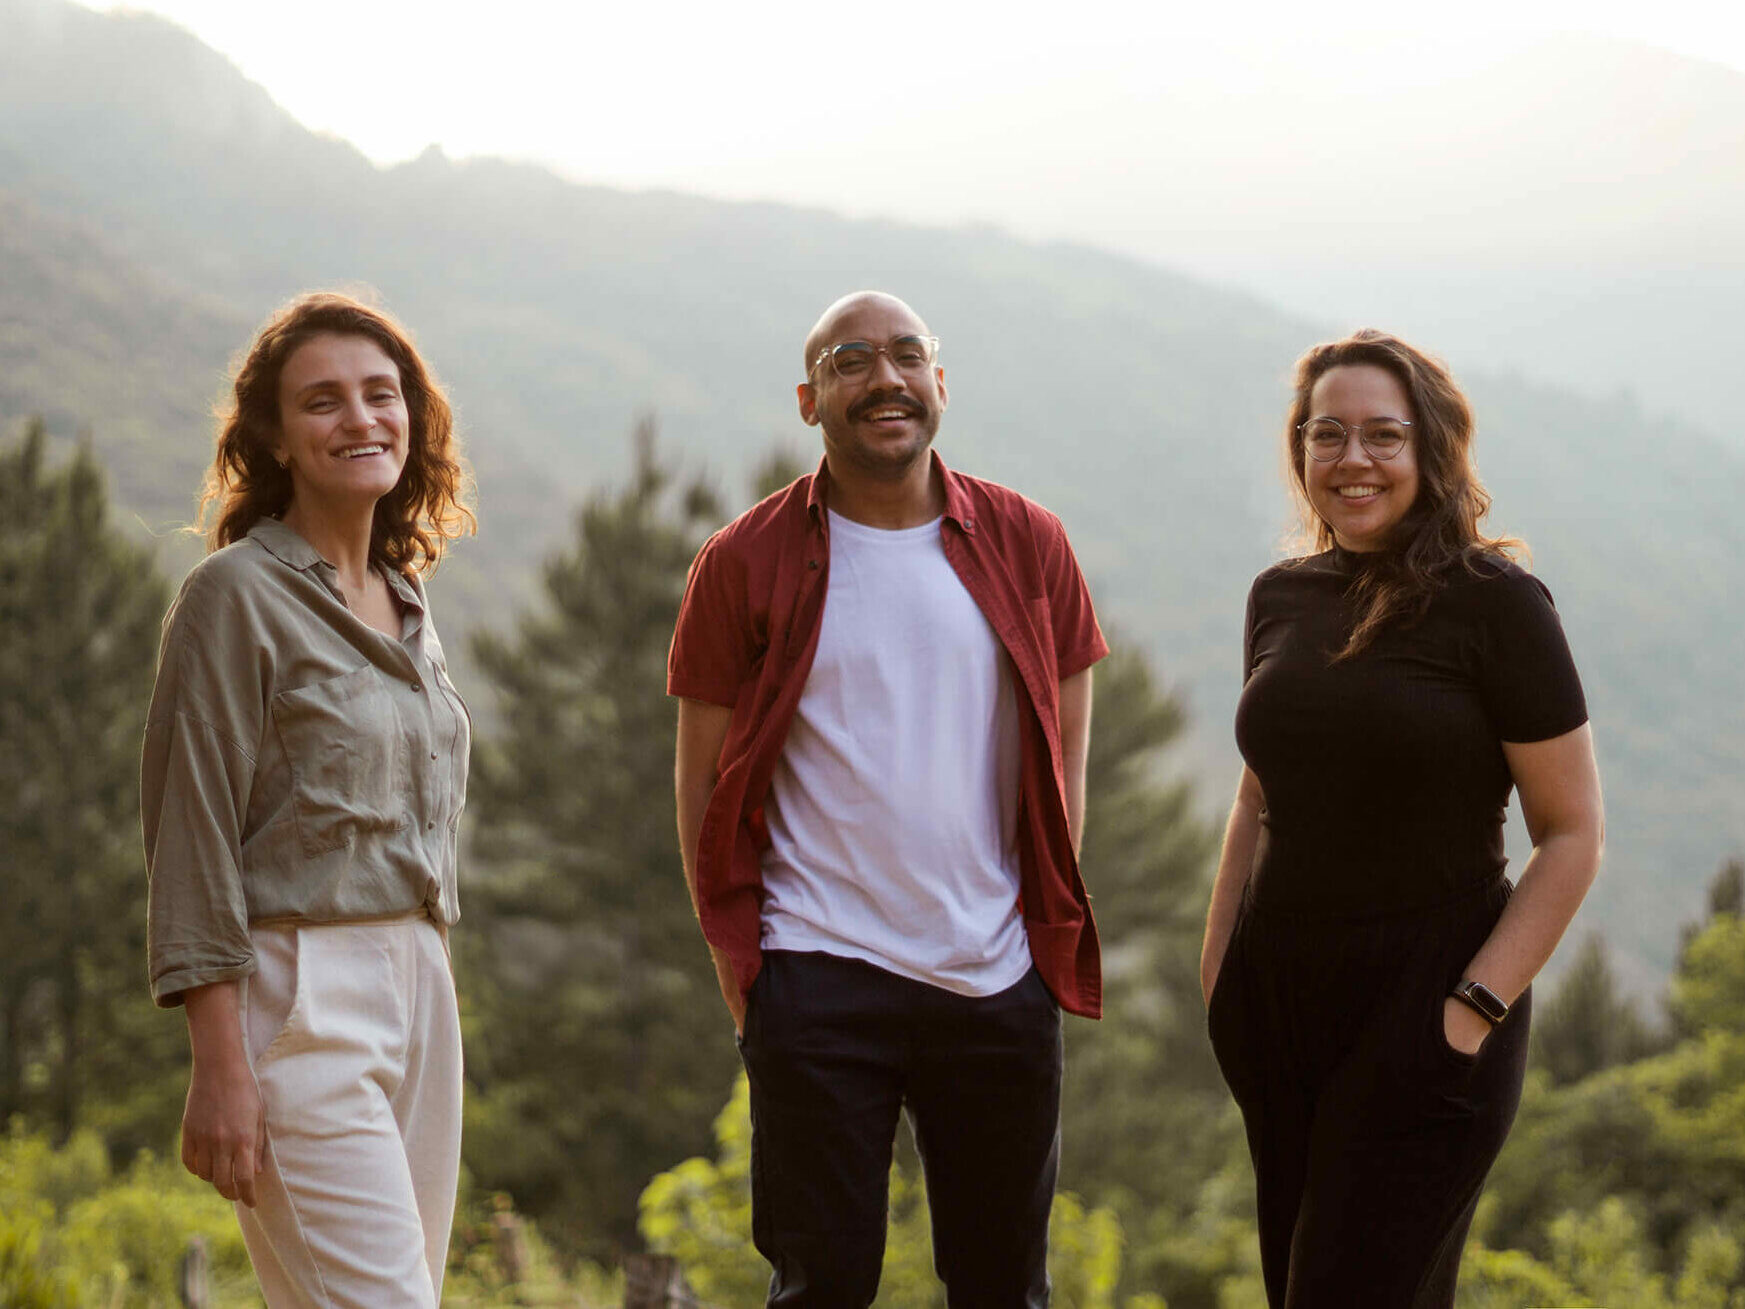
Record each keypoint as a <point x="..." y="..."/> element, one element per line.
<point x="196" y="774"/>
<point x="714" y="646"/>
<point x="1078" y="639"/>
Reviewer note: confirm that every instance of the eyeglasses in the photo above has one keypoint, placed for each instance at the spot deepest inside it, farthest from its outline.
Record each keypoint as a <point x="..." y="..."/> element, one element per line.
<point x="853" y="360"/>
<point x="1326" y="438"/>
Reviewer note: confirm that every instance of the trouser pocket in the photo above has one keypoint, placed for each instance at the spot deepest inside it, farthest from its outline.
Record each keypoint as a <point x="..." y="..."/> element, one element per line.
<point x="273" y="996"/>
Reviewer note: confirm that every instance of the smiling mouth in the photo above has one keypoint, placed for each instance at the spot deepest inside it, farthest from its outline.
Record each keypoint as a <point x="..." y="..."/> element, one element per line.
<point x="1359" y="492"/>
<point x="885" y="411"/>
<point x="359" y="451"/>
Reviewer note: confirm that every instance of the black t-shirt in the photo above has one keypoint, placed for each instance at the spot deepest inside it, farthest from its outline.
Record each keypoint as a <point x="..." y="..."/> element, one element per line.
<point x="1384" y="774"/>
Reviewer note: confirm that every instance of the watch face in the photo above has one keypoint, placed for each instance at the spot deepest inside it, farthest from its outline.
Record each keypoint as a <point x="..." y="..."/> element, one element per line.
<point x="1486" y="1001"/>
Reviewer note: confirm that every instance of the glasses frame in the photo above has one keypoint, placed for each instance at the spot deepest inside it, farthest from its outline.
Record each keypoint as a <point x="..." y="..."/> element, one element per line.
<point x="830" y="351"/>
<point x="1362" y="438"/>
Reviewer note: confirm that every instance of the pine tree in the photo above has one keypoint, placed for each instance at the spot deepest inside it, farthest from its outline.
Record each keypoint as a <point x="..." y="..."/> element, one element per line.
<point x="599" y="1048"/>
<point x="1708" y="986"/>
<point x="1144" y="1115"/>
<point x="1587" y="1025"/>
<point x="80" y="608"/>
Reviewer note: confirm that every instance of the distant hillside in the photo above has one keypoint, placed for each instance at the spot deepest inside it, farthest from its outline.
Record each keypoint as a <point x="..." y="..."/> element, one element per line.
<point x="1569" y="206"/>
<point x="154" y="205"/>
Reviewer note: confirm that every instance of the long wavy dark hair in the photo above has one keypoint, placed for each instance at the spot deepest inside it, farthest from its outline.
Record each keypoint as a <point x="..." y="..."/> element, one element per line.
<point x="428" y="507"/>
<point x="1441" y="529"/>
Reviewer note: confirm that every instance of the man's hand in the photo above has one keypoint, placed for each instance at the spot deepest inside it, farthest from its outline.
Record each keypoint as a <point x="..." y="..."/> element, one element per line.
<point x="729" y="990"/>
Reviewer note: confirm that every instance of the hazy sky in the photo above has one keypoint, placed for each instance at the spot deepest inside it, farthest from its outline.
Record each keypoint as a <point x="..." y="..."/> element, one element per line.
<point x="776" y="99"/>
<point x="1517" y="181"/>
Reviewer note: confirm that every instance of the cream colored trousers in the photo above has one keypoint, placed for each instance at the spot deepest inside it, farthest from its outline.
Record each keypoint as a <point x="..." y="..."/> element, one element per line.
<point x="355" y="1038"/>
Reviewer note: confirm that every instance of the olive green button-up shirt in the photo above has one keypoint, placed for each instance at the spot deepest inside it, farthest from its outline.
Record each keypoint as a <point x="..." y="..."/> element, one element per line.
<point x="299" y="766"/>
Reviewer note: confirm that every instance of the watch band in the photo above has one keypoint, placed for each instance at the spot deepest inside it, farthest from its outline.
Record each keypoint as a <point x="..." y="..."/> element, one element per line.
<point x="1482" y="1000"/>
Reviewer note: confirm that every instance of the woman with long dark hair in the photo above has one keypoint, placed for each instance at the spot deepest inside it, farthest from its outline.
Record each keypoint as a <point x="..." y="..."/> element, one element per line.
<point x="1366" y="962"/>
<point x="304" y="769"/>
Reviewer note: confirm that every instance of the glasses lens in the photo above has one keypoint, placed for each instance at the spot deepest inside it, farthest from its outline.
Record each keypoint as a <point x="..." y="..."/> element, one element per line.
<point x="912" y="353"/>
<point x="853" y="359"/>
<point x="1324" y="439"/>
<point x="1384" y="440"/>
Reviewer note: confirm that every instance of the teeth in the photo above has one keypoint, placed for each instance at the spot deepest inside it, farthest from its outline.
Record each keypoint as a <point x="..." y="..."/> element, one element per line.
<point x="891" y="413"/>
<point x="1359" y="492"/>
<point x="359" y="450"/>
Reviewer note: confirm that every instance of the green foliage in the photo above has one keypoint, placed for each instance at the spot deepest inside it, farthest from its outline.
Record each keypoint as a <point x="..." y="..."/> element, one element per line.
<point x="1666" y="1134"/>
<point x="1145" y="1117"/>
<point x="74" y="1233"/>
<point x="1204" y="1248"/>
<point x="1588" y="1025"/>
<point x="700" y="1212"/>
<point x="27" y="1281"/>
<point x="496" y="1258"/>
<point x="1509" y="1279"/>
<point x="598" y="1046"/>
<point x="80" y="607"/>
<point x="1708" y="993"/>
<point x="1630" y="1183"/>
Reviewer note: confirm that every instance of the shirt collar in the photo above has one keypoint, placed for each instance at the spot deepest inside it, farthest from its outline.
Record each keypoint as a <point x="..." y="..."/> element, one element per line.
<point x="284" y="544"/>
<point x="957" y="503"/>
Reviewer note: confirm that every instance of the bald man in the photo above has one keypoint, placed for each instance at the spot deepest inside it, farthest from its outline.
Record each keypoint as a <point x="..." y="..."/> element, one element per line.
<point x="884" y="682"/>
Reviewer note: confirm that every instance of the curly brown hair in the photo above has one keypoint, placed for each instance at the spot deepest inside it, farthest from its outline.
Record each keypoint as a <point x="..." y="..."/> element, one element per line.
<point x="428" y="506"/>
<point x="1441" y="529"/>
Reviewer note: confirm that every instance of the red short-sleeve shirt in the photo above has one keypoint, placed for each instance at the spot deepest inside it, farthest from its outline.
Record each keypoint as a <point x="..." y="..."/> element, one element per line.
<point x="746" y="636"/>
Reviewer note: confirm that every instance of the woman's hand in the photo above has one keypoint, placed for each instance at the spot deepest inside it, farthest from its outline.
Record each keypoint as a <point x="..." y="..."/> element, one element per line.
<point x="1463" y="1028"/>
<point x="224" y="1126"/>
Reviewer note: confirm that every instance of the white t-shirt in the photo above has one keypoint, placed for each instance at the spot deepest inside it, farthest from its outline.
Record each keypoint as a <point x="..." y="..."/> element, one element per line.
<point x="893" y="811"/>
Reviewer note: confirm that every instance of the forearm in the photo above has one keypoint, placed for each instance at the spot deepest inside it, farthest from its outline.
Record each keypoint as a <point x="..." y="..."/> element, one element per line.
<point x="214" y="1015"/>
<point x="702" y="732"/>
<point x="1551" y="889"/>
<point x="693" y="800"/>
<point x="1075" y="750"/>
<point x="1558" y="783"/>
<point x="1075" y="800"/>
<point x="1235" y="863"/>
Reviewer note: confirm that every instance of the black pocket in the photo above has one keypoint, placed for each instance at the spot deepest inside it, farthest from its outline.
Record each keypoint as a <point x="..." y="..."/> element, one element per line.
<point x="1439" y="1039"/>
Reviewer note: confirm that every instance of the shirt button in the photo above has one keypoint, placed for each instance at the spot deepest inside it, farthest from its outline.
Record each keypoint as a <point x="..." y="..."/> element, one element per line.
<point x="429" y="827"/>
<point x="433" y="754"/>
<point x="812" y="564"/>
<point x="417" y="687"/>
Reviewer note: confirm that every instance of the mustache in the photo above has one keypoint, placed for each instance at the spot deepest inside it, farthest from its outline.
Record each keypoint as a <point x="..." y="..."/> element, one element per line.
<point x="860" y="409"/>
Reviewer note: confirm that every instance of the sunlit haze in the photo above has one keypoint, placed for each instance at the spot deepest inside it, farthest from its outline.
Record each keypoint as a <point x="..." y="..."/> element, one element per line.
<point x="943" y="112"/>
<point x="1529" y="185"/>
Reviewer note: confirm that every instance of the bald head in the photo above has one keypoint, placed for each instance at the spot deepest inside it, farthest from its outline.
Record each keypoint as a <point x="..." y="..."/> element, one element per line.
<point x="824" y="330"/>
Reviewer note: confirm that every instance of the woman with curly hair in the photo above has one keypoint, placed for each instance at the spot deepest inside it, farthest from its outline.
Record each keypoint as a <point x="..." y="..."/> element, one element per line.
<point x="304" y="769"/>
<point x="1366" y="962"/>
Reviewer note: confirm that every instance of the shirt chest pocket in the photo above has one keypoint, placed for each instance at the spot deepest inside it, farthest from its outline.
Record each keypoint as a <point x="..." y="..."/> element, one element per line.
<point x="348" y="757"/>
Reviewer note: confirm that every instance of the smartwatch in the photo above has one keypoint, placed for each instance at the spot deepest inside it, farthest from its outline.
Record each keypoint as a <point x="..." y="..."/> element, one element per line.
<point x="1477" y="996"/>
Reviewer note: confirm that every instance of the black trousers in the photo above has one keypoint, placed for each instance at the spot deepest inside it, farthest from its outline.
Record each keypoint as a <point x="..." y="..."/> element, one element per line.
<point x="835" y="1049"/>
<point x="1370" y="1135"/>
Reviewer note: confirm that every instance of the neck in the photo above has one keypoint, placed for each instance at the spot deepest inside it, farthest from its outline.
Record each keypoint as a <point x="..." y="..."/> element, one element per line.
<point x="917" y="497"/>
<point x="339" y="533"/>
